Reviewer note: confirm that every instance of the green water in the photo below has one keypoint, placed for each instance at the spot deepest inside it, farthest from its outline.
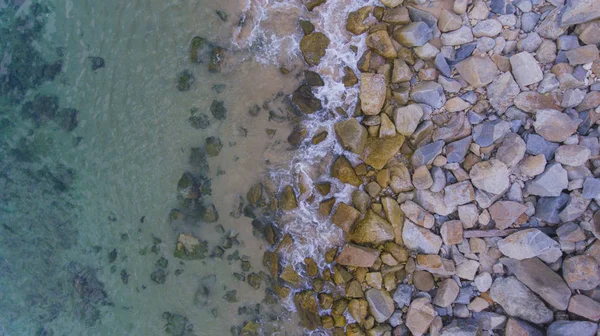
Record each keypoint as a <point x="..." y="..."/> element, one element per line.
<point x="94" y="136"/>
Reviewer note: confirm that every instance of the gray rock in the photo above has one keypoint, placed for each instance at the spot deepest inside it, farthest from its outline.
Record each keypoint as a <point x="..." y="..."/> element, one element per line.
<point x="449" y="85"/>
<point x="549" y="27"/>
<point x="460" y="36"/>
<point x="518" y="301"/>
<point x="575" y="208"/>
<point x="434" y="202"/>
<point x="439" y="179"/>
<point x="459" y="194"/>
<point x="531" y="43"/>
<point x="567" y="42"/>
<point x="425" y="155"/>
<point x="403" y="295"/>
<point x="591" y="188"/>
<point x="490" y="176"/>
<point x="579" y="11"/>
<point x="407" y="118"/>
<point x="372" y="93"/>
<point x="530" y="243"/>
<point x="461" y="327"/>
<point x="550" y="183"/>
<point x="381" y="305"/>
<point x="456" y="151"/>
<point x="485" y="44"/>
<point x="529" y="21"/>
<point x="512" y="150"/>
<point x="581" y="272"/>
<point x="487" y="28"/>
<point x="519" y="327"/>
<point x="548" y="208"/>
<point x="525" y="69"/>
<point x="542" y="280"/>
<point x="502" y="92"/>
<point x="442" y="65"/>
<point x="502" y="7"/>
<point x="420" y="239"/>
<point x="414" y="34"/>
<point x="554" y="125"/>
<point x="572" y="328"/>
<point x="548" y="84"/>
<point x="537" y="145"/>
<point x="572" y="155"/>
<point x="572" y="98"/>
<point x="487" y="133"/>
<point x="430" y="93"/>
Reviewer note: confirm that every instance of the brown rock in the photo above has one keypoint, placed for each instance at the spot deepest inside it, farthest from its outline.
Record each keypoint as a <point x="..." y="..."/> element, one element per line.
<point x="357" y="256"/>
<point x="583" y="55"/>
<point x="477" y="70"/>
<point x="452" y="232"/>
<point x="306" y="306"/>
<point x="343" y="171"/>
<point x="417" y="214"/>
<point x="345" y="216"/>
<point x="423" y="281"/>
<point x="352" y="135"/>
<point x="356" y="20"/>
<point x="372" y="93"/>
<point x="381" y="42"/>
<point x="419" y="316"/>
<point x="505" y="213"/>
<point x="581" y="272"/>
<point x="585" y="307"/>
<point x="531" y="101"/>
<point x="394" y="215"/>
<point x="372" y="229"/>
<point x="287" y="199"/>
<point x="554" y="125"/>
<point x="378" y="151"/>
<point x="313" y="47"/>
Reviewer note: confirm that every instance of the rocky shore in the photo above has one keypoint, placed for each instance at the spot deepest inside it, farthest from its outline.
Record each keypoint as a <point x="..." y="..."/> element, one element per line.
<point x="474" y="156"/>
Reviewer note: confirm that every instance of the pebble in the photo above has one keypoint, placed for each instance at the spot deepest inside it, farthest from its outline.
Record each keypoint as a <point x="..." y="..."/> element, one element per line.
<point x="483" y="282"/>
<point x="420" y="315"/>
<point x="502" y="92"/>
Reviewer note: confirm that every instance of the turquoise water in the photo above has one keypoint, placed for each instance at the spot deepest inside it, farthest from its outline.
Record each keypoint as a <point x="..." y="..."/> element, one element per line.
<point x="96" y="132"/>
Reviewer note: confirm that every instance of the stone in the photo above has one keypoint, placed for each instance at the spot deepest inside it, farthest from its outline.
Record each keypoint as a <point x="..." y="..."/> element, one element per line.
<point x="572" y="155"/>
<point x="549" y="27"/>
<point x="502" y="92"/>
<point x="392" y="3"/>
<point x="505" y="213"/>
<point x="581" y="272"/>
<point x="372" y="229"/>
<point x="456" y="104"/>
<point x="518" y="301"/>
<point x="478" y="71"/>
<point x="312" y="4"/>
<point x="372" y="93"/>
<point x="554" y="125"/>
<point x="467" y="269"/>
<point x="306" y="306"/>
<point x="489" y="132"/>
<point x="407" y="118"/>
<point x="449" y="21"/>
<point x="452" y="232"/>
<point x="585" y="307"/>
<point x="575" y="208"/>
<point x="483" y="282"/>
<point x="540" y="279"/>
<point x="519" y="327"/>
<point x="478" y="304"/>
<point x="550" y="183"/>
<point x="530" y="243"/>
<point x="381" y="43"/>
<point x="446" y="293"/>
<point x="531" y="101"/>
<point x="387" y="127"/>
<point x="313" y="47"/>
<point x="425" y="155"/>
<point x="342" y="170"/>
<point x="546" y="53"/>
<point x="548" y="208"/>
<point x="583" y="55"/>
<point x="579" y="11"/>
<point x="374" y="279"/>
<point x="572" y="328"/>
<point x="381" y="305"/>
<point x="378" y="151"/>
<point x="287" y="199"/>
<point x="530" y="44"/>
<point x="414" y="34"/>
<point x="434" y="202"/>
<point x="422" y="178"/>
<point x="417" y="214"/>
<point x="420" y="239"/>
<point x="357" y="256"/>
<point x="468" y="215"/>
<point x="358" y="309"/>
<point x="502" y="7"/>
<point x="398" y="15"/>
<point x="457" y="37"/>
<point x="401" y="72"/>
<point x="403" y="295"/>
<point x="525" y="69"/>
<point x="537" y="145"/>
<point x="512" y="150"/>
<point x="457" y="150"/>
<point x="305" y="100"/>
<point x="490" y="176"/>
<point x="591" y="188"/>
<point x="429" y="93"/>
<point x="352" y="135"/>
<point x="356" y="20"/>
<point x="487" y="28"/>
<point x="420" y="315"/>
<point x="459" y="193"/>
<point x="345" y="216"/>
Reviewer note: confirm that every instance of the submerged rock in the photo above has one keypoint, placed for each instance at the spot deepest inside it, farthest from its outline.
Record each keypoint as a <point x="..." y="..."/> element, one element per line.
<point x="185" y="80"/>
<point x="313" y="47"/>
<point x="305" y="100"/>
<point x="306" y="305"/>
<point x="190" y="248"/>
<point x="177" y="325"/>
<point x="199" y="50"/>
<point x="218" y="110"/>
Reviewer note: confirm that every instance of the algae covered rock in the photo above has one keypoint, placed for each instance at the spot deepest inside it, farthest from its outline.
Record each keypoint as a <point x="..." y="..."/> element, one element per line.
<point x="306" y="305"/>
<point x="342" y="170"/>
<point x="200" y="49"/>
<point x="177" y="325"/>
<point x="378" y="151"/>
<point x="305" y="100"/>
<point x="356" y="20"/>
<point x="372" y="229"/>
<point x="313" y="47"/>
<point x="185" y="80"/>
<point x="187" y="186"/>
<point x="287" y="199"/>
<point x="190" y="248"/>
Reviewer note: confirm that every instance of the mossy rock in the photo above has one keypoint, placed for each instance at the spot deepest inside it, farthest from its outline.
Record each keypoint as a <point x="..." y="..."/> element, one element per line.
<point x="271" y="262"/>
<point x="342" y="170"/>
<point x="306" y="305"/>
<point x="216" y="59"/>
<point x="185" y="80"/>
<point x="187" y="186"/>
<point x="200" y="50"/>
<point x="313" y="47"/>
<point x="250" y="329"/>
<point x="287" y="199"/>
<point x="190" y="248"/>
<point x="254" y="280"/>
<point x="218" y="110"/>
<point x="255" y="195"/>
<point x="290" y="276"/>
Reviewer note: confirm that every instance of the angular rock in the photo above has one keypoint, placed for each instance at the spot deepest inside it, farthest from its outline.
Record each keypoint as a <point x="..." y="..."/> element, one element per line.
<point x="429" y="93"/>
<point x="425" y="155"/>
<point x="417" y="214"/>
<point x="372" y="93"/>
<point x="477" y="70"/>
<point x="487" y="28"/>
<point x="550" y="183"/>
<point x="372" y="229"/>
<point x="313" y="47"/>
<point x="414" y="34"/>
<point x="434" y="202"/>
<point x="572" y="328"/>
<point x="525" y="69"/>
<point x="489" y="132"/>
<point x="581" y="272"/>
<point x="518" y="301"/>
<point x="502" y="92"/>
<point x="306" y="101"/>
<point x="446" y="293"/>
<point x="519" y="327"/>
<point x="381" y="305"/>
<point x="403" y="295"/>
<point x="548" y="208"/>
<point x="531" y="101"/>
<point x="448" y="21"/>
<point x="549" y="27"/>
<point x="407" y="118"/>
<point x="591" y="188"/>
<point x="342" y="170"/>
<point x="345" y="216"/>
<point x="457" y="37"/>
<point x="378" y="151"/>
<point x="306" y="306"/>
<point x="490" y="176"/>
<point x="401" y="72"/>
<point x="459" y="194"/>
<point x="530" y="243"/>
<point x="452" y="232"/>
<point x="540" y="279"/>
<point x="456" y="151"/>
<point x="554" y="125"/>
<point x="572" y="155"/>
<point x="579" y="11"/>
<point x="352" y="135"/>
<point x="422" y="178"/>
<point x="585" y="307"/>
<point x="512" y="150"/>
<point x="420" y="239"/>
<point x="420" y="315"/>
<point x="505" y="213"/>
<point x="356" y="20"/>
<point x="382" y="44"/>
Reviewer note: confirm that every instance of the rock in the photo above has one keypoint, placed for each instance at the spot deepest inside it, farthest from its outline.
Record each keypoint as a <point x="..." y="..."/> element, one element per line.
<point x="505" y="213"/>
<point x="356" y="20"/>
<point x="467" y="269"/>
<point x="189" y="247"/>
<point x="358" y="309"/>
<point x="187" y="186"/>
<point x="343" y="171"/>
<point x="554" y="125"/>
<point x="381" y="305"/>
<point x="540" y="279"/>
<point x="419" y="316"/>
<point x="548" y="208"/>
<point x="387" y="127"/>
<point x="378" y="151"/>
<point x="478" y="71"/>
<point x="591" y="188"/>
<point x="417" y="214"/>
<point x="585" y="307"/>
<point x="345" y="216"/>
<point x="572" y="155"/>
<point x="521" y="328"/>
<point x="581" y="272"/>
<point x="313" y="47"/>
<point x="414" y="34"/>
<point x="456" y="104"/>
<point x="425" y="155"/>
<point x="531" y="101"/>
<point x="532" y="166"/>
<point x="372" y="229"/>
<point x="305" y="100"/>
<point x="420" y="239"/>
<point x="546" y="53"/>
<point x="392" y="3"/>
<point x="525" y="69"/>
<point x="457" y="37"/>
<point x="579" y="11"/>
<point x="382" y="44"/>
<point x="449" y="21"/>
<point x="490" y="176"/>
<point x="434" y="202"/>
<point x="287" y="199"/>
<point x="537" y="145"/>
<point x="401" y="72"/>
<point x="550" y="183"/>
<point x="468" y="214"/>
<point x="502" y="92"/>
<point x="489" y="132"/>
<point x="529" y="21"/>
<point x="372" y="93"/>
<point x="429" y="93"/>
<point x="572" y="328"/>
<point x="512" y="150"/>
<point x="452" y="232"/>
<point x="583" y="55"/>
<point x="459" y="194"/>
<point x="403" y="295"/>
<point x="397" y="15"/>
<point x="531" y="43"/>
<point x="518" y="301"/>
<point x="352" y="135"/>
<point x="407" y="118"/>
<point x="456" y="151"/>
<point x="502" y="7"/>
<point x="549" y="27"/>
<point x="306" y="306"/>
<point x="446" y="293"/>
<point x="422" y="178"/>
<point x="530" y="243"/>
<point x="487" y="28"/>
<point x="483" y="282"/>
